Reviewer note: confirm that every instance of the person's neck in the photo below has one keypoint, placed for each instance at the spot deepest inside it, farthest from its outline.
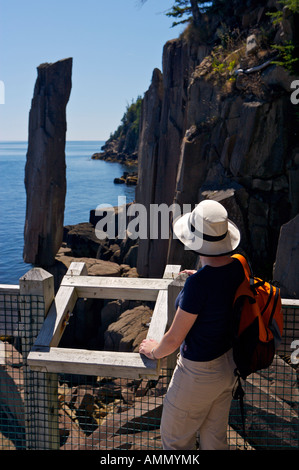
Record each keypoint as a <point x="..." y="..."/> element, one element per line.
<point x="215" y="261"/>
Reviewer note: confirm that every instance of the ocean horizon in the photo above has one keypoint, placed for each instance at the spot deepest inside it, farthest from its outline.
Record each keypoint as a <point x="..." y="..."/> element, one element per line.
<point x="89" y="184"/>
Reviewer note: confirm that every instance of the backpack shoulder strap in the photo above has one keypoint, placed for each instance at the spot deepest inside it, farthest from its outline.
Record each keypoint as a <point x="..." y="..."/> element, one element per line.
<point x="246" y="287"/>
<point x="245" y="264"/>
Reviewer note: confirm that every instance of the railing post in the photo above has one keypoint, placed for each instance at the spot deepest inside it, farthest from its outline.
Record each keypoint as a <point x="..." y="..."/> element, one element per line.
<point x="41" y="404"/>
<point x="174" y="289"/>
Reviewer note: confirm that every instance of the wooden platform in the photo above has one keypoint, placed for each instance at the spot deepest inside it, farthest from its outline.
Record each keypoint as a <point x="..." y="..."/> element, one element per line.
<point x="47" y="356"/>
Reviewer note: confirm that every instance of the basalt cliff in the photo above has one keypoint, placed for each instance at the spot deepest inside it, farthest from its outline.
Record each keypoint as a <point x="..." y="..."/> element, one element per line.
<point x="218" y="122"/>
<point x="45" y="170"/>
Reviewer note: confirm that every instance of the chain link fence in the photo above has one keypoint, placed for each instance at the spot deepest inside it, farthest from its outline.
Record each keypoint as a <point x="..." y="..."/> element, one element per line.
<point x="82" y="412"/>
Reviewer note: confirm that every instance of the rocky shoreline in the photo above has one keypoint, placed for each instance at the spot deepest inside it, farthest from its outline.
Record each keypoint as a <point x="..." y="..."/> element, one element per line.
<point x="127" y="178"/>
<point x="130" y="160"/>
<point x="111" y="153"/>
<point x="114" y="156"/>
<point x="97" y="324"/>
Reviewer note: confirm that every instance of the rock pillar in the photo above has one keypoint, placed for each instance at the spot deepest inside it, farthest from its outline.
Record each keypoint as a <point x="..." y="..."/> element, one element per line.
<point x="45" y="171"/>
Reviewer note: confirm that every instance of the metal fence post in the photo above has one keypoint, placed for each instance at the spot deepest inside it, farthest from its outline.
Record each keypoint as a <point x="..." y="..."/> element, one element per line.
<point x="41" y="404"/>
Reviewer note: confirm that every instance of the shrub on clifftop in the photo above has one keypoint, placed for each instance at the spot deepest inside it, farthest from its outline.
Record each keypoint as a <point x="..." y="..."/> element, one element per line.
<point x="127" y="133"/>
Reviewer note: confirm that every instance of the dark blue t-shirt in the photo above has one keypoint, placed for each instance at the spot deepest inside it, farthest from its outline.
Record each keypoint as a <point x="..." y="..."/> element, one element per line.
<point x="209" y="294"/>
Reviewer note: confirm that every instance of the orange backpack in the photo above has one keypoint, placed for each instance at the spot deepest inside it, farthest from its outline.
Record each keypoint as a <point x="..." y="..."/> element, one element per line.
<point x="257" y="323"/>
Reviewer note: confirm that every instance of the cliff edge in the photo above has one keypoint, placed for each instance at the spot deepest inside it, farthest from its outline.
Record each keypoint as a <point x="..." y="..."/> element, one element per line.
<point x="218" y="122"/>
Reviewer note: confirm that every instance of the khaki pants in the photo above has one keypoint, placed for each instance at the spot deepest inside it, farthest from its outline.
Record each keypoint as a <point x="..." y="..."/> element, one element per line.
<point x="198" y="401"/>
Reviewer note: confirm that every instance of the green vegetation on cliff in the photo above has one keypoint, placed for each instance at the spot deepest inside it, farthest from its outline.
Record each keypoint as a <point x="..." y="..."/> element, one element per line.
<point x="288" y="50"/>
<point x="225" y="27"/>
<point x="122" y="145"/>
<point x="192" y="10"/>
<point x="126" y="136"/>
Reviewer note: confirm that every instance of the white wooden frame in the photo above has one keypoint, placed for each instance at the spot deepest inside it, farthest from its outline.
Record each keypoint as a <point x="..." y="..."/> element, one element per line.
<point x="46" y="356"/>
<point x="41" y="410"/>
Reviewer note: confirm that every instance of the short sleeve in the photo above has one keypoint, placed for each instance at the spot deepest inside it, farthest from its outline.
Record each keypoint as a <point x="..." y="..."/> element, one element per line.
<point x="192" y="297"/>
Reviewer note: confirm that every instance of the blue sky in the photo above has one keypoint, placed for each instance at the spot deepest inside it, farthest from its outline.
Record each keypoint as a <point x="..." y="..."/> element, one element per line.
<point x="115" y="45"/>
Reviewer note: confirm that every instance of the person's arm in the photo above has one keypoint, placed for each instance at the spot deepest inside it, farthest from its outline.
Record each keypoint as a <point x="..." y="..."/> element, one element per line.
<point x="172" y="339"/>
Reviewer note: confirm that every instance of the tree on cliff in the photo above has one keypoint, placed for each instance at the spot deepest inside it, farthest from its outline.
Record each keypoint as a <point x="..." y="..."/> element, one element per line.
<point x="189" y="8"/>
<point x="192" y="10"/>
<point x="127" y="134"/>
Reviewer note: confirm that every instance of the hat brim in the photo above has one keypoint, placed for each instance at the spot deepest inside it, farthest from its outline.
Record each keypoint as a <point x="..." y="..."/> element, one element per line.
<point x="181" y="229"/>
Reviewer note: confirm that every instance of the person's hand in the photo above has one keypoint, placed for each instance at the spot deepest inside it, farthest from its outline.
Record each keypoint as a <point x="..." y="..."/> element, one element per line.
<point x="188" y="271"/>
<point x="146" y="347"/>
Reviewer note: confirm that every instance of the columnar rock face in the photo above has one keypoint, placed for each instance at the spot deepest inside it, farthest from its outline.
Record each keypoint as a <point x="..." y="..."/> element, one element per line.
<point x="148" y="156"/>
<point x="239" y="150"/>
<point x="45" y="171"/>
<point x="162" y="130"/>
<point x="219" y="134"/>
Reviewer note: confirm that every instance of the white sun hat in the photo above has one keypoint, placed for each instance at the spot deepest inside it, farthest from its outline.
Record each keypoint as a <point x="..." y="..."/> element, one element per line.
<point x="207" y="230"/>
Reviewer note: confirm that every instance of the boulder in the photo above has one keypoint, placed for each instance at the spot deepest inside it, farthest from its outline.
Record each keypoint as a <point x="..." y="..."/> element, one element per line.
<point x="45" y="171"/>
<point x="82" y="240"/>
<point x="116" y="217"/>
<point x="129" y="330"/>
<point x="95" y="267"/>
<point x="251" y="44"/>
<point x="120" y="180"/>
<point x="127" y="178"/>
<point x="111" y="312"/>
<point x="131" y="257"/>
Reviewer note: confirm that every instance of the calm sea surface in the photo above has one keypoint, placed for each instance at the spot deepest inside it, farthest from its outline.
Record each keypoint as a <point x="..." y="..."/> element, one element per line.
<point x="89" y="183"/>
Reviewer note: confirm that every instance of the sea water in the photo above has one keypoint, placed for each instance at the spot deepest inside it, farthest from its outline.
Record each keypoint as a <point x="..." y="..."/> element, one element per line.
<point x="89" y="184"/>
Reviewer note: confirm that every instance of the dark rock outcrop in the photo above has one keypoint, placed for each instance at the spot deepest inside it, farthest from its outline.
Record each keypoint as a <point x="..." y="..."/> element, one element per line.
<point x="286" y="268"/>
<point x="45" y="172"/>
<point x="162" y="130"/>
<point x="122" y="146"/>
<point x="129" y="330"/>
<point x="130" y="179"/>
<point x="210" y="131"/>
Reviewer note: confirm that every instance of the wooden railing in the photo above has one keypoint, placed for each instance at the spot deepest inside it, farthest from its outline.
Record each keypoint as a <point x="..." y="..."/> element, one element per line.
<point x="45" y="354"/>
<point x="41" y="329"/>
